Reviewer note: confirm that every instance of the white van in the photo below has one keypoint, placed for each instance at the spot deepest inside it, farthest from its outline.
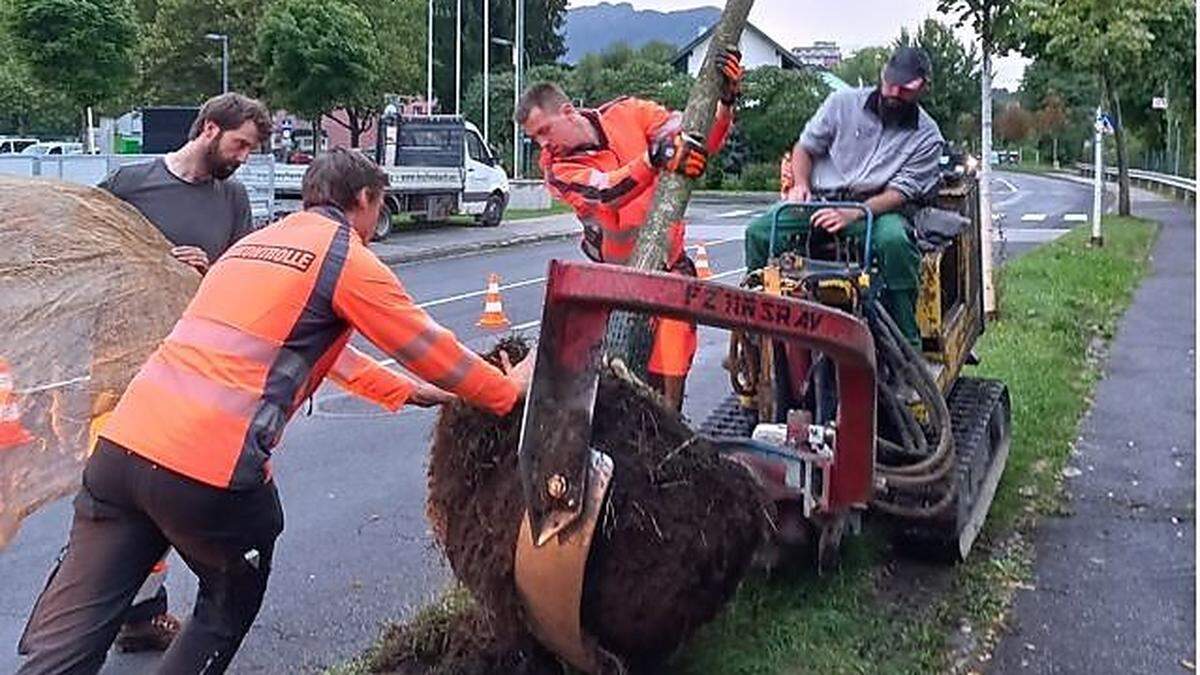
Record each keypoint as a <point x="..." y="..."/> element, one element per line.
<point x="55" y="148"/>
<point x="10" y="145"/>
<point x="438" y="166"/>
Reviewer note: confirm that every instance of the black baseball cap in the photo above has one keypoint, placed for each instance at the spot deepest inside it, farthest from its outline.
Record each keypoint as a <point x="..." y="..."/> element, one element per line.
<point x="906" y="65"/>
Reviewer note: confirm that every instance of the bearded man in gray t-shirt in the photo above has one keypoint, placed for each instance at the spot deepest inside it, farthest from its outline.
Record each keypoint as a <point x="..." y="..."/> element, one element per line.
<point x="189" y="196"/>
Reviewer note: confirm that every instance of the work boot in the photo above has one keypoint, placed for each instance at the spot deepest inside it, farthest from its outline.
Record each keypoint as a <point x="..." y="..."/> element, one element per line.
<point x="153" y="635"/>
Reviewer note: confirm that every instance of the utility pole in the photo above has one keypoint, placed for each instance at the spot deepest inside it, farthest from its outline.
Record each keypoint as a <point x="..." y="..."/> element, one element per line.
<point x="1098" y="183"/>
<point x="518" y="62"/>
<point x="224" y="40"/>
<point x="1178" y="141"/>
<point x="985" y="183"/>
<point x="429" y="63"/>
<point x="458" y="57"/>
<point x="487" y="47"/>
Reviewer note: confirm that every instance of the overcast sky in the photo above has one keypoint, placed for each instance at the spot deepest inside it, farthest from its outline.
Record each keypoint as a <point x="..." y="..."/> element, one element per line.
<point x="850" y="23"/>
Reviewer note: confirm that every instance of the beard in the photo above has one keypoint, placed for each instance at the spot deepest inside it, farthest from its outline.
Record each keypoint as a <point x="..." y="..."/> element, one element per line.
<point x="895" y="110"/>
<point x="219" y="166"/>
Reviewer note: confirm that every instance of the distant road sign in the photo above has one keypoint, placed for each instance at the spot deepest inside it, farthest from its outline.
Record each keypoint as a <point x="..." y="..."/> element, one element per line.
<point x="1158" y="103"/>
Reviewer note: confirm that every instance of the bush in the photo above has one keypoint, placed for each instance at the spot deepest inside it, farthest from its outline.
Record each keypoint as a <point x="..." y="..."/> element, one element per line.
<point x="760" y="176"/>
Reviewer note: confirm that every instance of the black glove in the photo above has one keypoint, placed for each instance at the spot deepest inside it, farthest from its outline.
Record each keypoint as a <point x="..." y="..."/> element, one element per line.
<point x="679" y="153"/>
<point x="592" y="243"/>
<point x="729" y="64"/>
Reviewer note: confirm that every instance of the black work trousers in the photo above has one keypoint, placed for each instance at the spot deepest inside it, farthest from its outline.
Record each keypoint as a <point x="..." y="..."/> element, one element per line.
<point x="128" y="512"/>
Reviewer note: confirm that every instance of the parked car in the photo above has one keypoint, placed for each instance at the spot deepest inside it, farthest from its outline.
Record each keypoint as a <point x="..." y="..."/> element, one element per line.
<point x="10" y="145"/>
<point x="44" y="148"/>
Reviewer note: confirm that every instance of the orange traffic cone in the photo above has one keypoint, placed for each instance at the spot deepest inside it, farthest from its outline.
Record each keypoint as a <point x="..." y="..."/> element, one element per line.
<point x="12" y="433"/>
<point x="703" y="271"/>
<point x="493" y="310"/>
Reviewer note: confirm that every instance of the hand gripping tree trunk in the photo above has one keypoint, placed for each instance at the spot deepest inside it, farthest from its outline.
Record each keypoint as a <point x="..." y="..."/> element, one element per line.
<point x="629" y="334"/>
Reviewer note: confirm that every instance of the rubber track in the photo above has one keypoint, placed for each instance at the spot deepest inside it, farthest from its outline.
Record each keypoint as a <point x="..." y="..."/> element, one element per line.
<point x="972" y="402"/>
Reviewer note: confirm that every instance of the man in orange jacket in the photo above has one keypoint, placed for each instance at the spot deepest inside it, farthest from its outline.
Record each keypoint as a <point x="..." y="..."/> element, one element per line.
<point x="605" y="163"/>
<point x="184" y="460"/>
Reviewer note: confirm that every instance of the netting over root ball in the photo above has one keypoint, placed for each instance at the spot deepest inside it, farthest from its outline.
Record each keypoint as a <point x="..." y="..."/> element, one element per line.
<point x="676" y="534"/>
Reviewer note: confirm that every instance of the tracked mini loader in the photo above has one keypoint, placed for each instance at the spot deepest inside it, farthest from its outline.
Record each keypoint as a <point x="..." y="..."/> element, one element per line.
<point x="833" y="412"/>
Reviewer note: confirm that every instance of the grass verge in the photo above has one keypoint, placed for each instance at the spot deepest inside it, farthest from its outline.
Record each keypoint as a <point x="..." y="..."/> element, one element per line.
<point x="1060" y="305"/>
<point x="404" y="221"/>
<point x="525" y="214"/>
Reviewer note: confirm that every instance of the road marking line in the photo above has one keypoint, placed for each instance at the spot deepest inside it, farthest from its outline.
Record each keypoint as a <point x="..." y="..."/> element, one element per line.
<point x="1033" y="217"/>
<point x="476" y="294"/>
<point x="1031" y="235"/>
<point x="730" y="273"/>
<point x="53" y="385"/>
<point x="735" y="214"/>
<point x="1007" y="183"/>
<point x="1076" y="217"/>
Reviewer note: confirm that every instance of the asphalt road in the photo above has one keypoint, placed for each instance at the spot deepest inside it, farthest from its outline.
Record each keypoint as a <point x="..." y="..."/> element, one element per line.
<point x="356" y="551"/>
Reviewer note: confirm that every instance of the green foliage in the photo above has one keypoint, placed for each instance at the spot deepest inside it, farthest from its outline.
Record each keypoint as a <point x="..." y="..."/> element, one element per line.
<point x="543" y="40"/>
<point x="863" y="67"/>
<point x="954" y="87"/>
<point x="81" y="48"/>
<point x="757" y="177"/>
<point x="622" y="71"/>
<point x="179" y="66"/>
<point x="500" y="91"/>
<point x="998" y="23"/>
<point x="318" y="55"/>
<point x="399" y="28"/>
<point x="776" y="103"/>
<point x="1096" y="34"/>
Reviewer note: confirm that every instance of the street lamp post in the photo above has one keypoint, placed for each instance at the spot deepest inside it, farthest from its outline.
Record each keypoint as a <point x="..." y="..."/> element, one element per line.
<point x="429" y="64"/>
<point x="518" y="61"/>
<point x="224" y="40"/>
<point x="487" y="47"/>
<point x="458" y="58"/>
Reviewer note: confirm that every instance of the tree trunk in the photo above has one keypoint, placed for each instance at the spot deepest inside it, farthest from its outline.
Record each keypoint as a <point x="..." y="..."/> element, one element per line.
<point x="1114" y="98"/>
<point x="1055" y="142"/>
<point x="628" y="335"/>
<point x="355" y="130"/>
<point x="673" y="191"/>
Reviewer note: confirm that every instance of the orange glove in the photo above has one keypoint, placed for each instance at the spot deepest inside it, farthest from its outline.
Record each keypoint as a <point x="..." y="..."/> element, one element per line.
<point x="679" y="153"/>
<point x="729" y="63"/>
<point x="786" y="179"/>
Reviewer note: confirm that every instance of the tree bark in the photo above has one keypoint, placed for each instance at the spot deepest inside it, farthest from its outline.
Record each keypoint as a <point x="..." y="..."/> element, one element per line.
<point x="356" y="123"/>
<point x="355" y="132"/>
<point x="1114" y="98"/>
<point x="628" y="336"/>
<point x="673" y="190"/>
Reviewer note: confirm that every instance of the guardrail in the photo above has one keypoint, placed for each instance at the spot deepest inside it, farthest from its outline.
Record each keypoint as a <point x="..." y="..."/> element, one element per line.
<point x="1180" y="187"/>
